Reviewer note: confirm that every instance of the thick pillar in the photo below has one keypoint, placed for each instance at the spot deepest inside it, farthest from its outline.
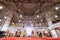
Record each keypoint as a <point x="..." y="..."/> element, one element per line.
<point x="58" y="33"/>
<point x="53" y="32"/>
<point x="7" y="22"/>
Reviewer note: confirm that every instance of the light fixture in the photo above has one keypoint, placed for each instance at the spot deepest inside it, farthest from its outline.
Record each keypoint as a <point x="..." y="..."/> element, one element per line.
<point x="5" y="17"/>
<point x="1" y="7"/>
<point x="13" y="23"/>
<point x="37" y="16"/>
<point x="0" y="20"/>
<point x="55" y="16"/>
<point x="41" y="20"/>
<point x="21" y="16"/>
<point x="19" y="21"/>
<point x="56" y="8"/>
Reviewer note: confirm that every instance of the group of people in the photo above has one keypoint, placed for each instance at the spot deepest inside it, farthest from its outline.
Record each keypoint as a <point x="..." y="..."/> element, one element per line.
<point x="20" y="34"/>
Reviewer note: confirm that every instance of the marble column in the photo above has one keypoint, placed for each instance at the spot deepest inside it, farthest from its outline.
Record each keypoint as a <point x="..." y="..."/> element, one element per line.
<point x="53" y="32"/>
<point x="58" y="33"/>
<point x="7" y="22"/>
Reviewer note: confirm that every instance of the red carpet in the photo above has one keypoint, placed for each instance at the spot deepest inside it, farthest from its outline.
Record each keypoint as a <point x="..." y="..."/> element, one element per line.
<point x="29" y="38"/>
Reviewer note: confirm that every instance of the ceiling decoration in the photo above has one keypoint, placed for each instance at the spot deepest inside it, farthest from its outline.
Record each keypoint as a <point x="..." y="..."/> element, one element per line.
<point x="30" y="1"/>
<point x="37" y="11"/>
<point x="29" y="9"/>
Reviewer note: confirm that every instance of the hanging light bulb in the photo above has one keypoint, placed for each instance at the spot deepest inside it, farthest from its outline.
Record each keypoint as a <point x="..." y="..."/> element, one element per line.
<point x="13" y="23"/>
<point x="5" y="17"/>
<point x="41" y="20"/>
<point x="56" y="8"/>
<point x="37" y="16"/>
<point x="1" y="7"/>
<point x="0" y="20"/>
<point x="56" y="16"/>
<point x="21" y="16"/>
<point x="19" y="21"/>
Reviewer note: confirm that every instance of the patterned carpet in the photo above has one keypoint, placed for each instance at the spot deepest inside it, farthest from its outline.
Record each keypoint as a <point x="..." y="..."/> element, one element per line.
<point x="29" y="38"/>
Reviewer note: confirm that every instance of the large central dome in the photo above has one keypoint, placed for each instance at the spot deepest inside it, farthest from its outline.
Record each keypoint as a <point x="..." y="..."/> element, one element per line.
<point x="36" y="11"/>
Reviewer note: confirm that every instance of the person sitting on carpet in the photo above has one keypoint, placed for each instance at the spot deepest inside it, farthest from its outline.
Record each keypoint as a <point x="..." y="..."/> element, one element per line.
<point x="40" y="34"/>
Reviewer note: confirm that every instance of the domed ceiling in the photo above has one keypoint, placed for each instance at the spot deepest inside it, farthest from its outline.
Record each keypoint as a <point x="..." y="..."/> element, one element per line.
<point x="37" y="11"/>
